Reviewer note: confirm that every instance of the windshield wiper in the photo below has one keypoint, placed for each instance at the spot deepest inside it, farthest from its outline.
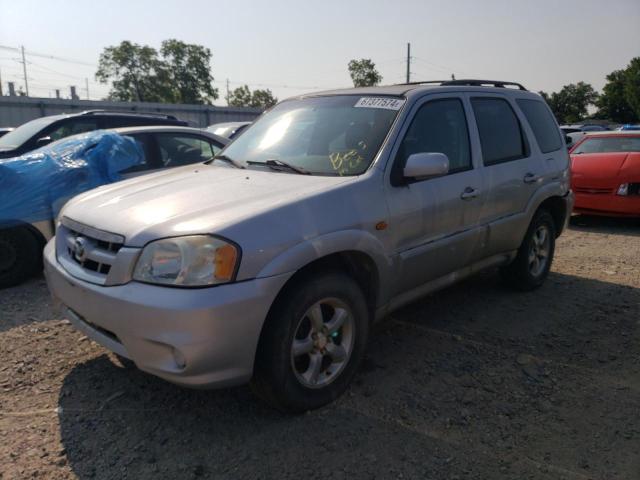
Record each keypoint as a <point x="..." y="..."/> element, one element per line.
<point x="226" y="159"/>
<point x="279" y="165"/>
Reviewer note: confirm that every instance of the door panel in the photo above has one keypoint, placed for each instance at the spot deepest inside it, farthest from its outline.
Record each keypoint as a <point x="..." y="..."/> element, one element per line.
<point x="435" y="229"/>
<point x="512" y="170"/>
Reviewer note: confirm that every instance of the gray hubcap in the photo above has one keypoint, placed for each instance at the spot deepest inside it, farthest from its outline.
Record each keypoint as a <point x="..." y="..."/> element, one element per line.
<point x="323" y="343"/>
<point x="539" y="251"/>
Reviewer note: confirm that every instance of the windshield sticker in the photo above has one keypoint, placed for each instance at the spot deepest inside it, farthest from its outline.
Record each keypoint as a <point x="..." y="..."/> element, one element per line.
<point x="380" y="102"/>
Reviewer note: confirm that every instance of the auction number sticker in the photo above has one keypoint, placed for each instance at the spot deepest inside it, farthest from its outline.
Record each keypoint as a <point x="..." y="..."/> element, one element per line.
<point x="380" y="102"/>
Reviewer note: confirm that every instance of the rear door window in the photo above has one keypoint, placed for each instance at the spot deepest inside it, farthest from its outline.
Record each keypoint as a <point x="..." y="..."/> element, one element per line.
<point x="501" y="135"/>
<point x="180" y="149"/>
<point x="541" y="121"/>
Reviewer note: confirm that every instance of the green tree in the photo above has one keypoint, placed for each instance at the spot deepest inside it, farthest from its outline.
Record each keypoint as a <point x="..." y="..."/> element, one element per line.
<point x="363" y="73"/>
<point x="243" y="97"/>
<point x="189" y="71"/>
<point x="632" y="86"/>
<point x="613" y="104"/>
<point x="571" y="103"/>
<point x="240" y="97"/>
<point x="263" y="99"/>
<point x="135" y="72"/>
<point x="138" y="73"/>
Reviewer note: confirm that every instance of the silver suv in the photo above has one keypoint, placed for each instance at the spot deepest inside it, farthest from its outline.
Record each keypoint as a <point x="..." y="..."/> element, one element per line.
<point x="269" y="263"/>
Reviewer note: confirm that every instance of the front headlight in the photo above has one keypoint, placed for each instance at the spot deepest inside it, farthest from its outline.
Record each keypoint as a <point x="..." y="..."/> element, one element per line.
<point x="191" y="261"/>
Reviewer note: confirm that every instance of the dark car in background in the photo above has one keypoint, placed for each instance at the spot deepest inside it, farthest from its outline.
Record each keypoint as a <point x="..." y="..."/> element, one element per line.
<point x="42" y="131"/>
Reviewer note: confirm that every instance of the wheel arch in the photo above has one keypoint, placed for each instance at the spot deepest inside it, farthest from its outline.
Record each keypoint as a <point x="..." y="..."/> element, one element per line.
<point x="37" y="233"/>
<point x="557" y="207"/>
<point x="358" y="265"/>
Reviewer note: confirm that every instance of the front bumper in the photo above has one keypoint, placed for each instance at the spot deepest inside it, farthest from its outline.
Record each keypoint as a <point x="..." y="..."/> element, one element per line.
<point x="608" y="204"/>
<point x="193" y="337"/>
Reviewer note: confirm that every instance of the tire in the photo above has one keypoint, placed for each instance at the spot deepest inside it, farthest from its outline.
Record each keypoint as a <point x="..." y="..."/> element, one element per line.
<point x="531" y="266"/>
<point x="20" y="256"/>
<point x="326" y="358"/>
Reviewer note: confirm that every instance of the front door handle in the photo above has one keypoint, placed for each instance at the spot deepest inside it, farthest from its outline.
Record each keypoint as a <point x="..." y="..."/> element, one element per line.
<point x="469" y="193"/>
<point x="531" y="178"/>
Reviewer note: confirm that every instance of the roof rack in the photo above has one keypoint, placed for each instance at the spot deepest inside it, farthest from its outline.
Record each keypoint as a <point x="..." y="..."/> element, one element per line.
<point x="482" y="83"/>
<point x="470" y="83"/>
<point x="116" y="112"/>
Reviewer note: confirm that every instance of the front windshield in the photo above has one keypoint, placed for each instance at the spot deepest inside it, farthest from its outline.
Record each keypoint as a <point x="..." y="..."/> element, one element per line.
<point x="20" y="135"/>
<point x="333" y="135"/>
<point x="609" y="144"/>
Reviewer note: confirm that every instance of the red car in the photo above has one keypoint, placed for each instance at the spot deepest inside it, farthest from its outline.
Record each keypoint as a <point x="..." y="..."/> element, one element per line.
<point x="605" y="174"/>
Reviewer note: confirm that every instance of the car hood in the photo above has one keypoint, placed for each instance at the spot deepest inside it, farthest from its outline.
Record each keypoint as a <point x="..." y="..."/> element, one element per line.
<point x="190" y="200"/>
<point x="604" y="169"/>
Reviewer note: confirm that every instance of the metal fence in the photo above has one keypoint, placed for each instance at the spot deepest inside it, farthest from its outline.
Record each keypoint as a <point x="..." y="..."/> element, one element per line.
<point x="15" y="111"/>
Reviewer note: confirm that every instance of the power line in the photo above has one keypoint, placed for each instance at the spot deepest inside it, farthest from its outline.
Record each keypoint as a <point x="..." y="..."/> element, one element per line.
<point x="50" y="57"/>
<point x="443" y="68"/>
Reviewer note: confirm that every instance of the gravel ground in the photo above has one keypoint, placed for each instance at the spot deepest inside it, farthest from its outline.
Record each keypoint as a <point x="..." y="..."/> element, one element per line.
<point x="474" y="382"/>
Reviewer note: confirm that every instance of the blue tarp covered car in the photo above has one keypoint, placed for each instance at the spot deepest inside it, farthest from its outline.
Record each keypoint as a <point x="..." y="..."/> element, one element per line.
<point x="35" y="186"/>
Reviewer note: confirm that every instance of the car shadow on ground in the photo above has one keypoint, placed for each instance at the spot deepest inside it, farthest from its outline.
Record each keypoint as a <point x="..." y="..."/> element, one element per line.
<point x="607" y="225"/>
<point x="474" y="381"/>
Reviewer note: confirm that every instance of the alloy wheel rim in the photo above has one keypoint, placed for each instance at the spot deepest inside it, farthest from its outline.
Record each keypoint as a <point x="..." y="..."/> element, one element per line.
<point x="539" y="250"/>
<point x="323" y="343"/>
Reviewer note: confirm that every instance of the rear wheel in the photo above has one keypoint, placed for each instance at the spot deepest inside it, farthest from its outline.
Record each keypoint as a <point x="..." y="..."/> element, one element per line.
<point x="533" y="261"/>
<point x="20" y="256"/>
<point x="312" y="344"/>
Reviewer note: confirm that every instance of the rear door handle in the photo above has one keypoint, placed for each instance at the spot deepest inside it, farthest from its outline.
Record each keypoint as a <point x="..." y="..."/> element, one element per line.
<point x="469" y="193"/>
<point x="531" y="178"/>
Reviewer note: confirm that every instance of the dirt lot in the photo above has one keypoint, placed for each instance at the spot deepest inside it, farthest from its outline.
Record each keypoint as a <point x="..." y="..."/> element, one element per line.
<point x="473" y="382"/>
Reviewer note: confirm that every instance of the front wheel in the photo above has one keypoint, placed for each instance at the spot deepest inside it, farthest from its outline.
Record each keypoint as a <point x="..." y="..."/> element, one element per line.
<point x="312" y="343"/>
<point x="532" y="263"/>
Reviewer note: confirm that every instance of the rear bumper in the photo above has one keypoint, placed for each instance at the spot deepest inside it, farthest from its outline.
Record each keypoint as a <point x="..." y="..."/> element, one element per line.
<point x="193" y="337"/>
<point x="608" y="204"/>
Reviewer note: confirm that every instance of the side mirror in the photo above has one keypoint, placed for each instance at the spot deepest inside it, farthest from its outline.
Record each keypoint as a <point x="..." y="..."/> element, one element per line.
<point x="568" y="140"/>
<point x="423" y="165"/>
<point x="42" y="141"/>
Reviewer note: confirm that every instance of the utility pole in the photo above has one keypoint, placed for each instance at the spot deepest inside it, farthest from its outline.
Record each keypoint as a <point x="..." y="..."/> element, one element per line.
<point x="408" y="62"/>
<point x="227" y="92"/>
<point x="24" y="69"/>
<point x="0" y="83"/>
<point x="86" y="83"/>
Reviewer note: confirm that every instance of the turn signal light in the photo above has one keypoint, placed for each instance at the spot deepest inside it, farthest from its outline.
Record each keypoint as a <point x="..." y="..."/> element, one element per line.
<point x="225" y="262"/>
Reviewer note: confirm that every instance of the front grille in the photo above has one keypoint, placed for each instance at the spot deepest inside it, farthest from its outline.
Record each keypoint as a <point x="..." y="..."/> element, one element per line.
<point x="97" y="256"/>
<point x="86" y="252"/>
<point x="594" y="190"/>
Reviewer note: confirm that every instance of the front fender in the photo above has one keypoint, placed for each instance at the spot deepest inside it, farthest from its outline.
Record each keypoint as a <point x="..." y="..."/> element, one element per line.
<point x="304" y="253"/>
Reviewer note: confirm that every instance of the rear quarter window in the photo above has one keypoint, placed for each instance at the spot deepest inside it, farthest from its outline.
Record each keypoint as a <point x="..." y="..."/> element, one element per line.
<point x="541" y="121"/>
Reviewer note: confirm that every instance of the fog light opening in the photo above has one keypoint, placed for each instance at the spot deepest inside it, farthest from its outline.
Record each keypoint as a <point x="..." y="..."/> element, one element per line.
<point x="623" y="190"/>
<point x="178" y="357"/>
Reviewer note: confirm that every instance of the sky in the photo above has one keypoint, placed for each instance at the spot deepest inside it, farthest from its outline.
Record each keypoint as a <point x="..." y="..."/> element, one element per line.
<point x="295" y="47"/>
